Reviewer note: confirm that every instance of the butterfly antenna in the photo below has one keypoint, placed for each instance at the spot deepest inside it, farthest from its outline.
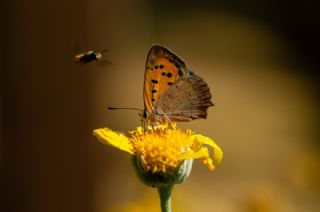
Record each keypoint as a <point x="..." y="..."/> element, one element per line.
<point x="125" y="108"/>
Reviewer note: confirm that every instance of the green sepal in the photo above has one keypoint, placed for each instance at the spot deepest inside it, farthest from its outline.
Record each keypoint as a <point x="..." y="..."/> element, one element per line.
<point x="160" y="179"/>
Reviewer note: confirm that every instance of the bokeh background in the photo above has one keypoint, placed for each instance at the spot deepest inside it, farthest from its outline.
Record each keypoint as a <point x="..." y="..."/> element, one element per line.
<point x="260" y="59"/>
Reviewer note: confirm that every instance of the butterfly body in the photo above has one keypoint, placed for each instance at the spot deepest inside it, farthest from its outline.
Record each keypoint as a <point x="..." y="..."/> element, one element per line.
<point x="172" y="93"/>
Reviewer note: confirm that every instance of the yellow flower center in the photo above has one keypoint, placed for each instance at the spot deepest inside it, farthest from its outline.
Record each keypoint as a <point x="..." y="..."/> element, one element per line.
<point x="163" y="148"/>
<point x="160" y="149"/>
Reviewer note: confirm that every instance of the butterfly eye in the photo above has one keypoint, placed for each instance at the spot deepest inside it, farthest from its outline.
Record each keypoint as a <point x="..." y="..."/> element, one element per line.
<point x="145" y="114"/>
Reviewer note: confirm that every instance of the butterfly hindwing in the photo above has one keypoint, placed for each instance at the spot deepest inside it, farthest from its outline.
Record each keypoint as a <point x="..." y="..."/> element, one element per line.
<point x="188" y="99"/>
<point x="163" y="69"/>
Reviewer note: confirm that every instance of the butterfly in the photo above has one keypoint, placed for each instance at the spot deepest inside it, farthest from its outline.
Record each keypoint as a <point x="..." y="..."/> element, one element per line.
<point x="172" y="93"/>
<point x="86" y="56"/>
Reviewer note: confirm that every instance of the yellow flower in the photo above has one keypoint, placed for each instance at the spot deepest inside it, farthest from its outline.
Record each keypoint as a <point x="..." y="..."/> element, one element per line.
<point x="162" y="149"/>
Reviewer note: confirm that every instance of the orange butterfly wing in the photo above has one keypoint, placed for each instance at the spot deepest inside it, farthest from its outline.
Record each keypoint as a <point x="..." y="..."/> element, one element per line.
<point x="163" y="69"/>
<point x="171" y="91"/>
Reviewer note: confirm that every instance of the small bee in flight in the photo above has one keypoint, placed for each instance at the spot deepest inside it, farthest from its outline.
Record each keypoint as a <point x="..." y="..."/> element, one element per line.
<point x="88" y="56"/>
<point x="83" y="56"/>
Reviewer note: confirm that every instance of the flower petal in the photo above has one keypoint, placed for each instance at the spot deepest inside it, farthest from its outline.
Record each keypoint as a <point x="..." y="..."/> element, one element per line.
<point x="203" y="152"/>
<point x="114" y="139"/>
<point x="200" y="153"/>
<point x="218" y="154"/>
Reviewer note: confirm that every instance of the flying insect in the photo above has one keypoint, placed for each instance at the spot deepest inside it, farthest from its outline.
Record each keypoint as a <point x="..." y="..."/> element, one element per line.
<point x="86" y="56"/>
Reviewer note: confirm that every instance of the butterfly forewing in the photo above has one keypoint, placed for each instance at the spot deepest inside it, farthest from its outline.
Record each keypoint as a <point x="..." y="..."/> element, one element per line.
<point x="188" y="99"/>
<point x="163" y="69"/>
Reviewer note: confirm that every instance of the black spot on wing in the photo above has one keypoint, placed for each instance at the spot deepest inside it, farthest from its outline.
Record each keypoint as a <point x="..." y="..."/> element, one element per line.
<point x="177" y="65"/>
<point x="161" y="66"/>
<point x="163" y="74"/>
<point x="154" y="81"/>
<point x="153" y="90"/>
<point x="170" y="83"/>
<point x="169" y="74"/>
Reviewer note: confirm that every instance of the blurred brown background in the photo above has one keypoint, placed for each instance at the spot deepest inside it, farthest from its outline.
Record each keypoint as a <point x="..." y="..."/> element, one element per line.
<point x="260" y="58"/>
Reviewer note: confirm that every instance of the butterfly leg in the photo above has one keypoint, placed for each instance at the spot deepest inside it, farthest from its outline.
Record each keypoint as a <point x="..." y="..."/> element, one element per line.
<point x="153" y="126"/>
<point x="171" y="124"/>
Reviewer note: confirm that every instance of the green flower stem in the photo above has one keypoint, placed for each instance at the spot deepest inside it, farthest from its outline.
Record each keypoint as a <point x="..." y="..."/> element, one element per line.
<point x="165" y="197"/>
